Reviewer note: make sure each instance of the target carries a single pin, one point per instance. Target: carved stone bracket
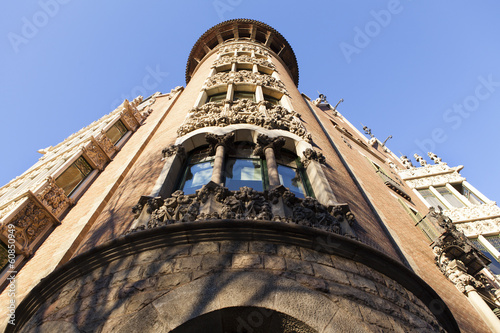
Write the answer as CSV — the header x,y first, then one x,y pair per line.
x,y
106,145
264,80
312,155
224,60
130,115
244,112
226,140
213,201
264,142
53,197
173,150
94,152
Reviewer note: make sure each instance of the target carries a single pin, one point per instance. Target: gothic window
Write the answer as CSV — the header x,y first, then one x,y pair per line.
x,y
116,132
198,171
74,175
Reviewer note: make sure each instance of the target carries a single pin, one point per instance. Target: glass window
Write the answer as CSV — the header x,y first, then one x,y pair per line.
x,y
217,97
244,95
198,171
292,175
473,199
272,100
74,175
244,172
4,258
495,241
452,199
116,132
430,198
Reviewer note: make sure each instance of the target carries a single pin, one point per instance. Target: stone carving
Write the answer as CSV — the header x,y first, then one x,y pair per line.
x,y
243,48
174,150
54,198
93,152
29,223
488,226
264,80
406,162
264,142
227,59
487,210
105,143
435,158
244,111
213,201
226,140
428,170
456,271
435,180
420,159
312,155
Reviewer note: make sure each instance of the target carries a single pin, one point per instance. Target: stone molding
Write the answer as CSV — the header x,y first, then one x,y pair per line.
x,y
213,201
435,180
426,171
229,59
244,111
475,212
482,227
243,47
248,77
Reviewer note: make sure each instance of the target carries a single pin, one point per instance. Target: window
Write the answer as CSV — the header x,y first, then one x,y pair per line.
x,y
292,175
473,199
241,172
272,100
116,132
450,197
198,171
430,198
74,175
217,97
244,95
495,241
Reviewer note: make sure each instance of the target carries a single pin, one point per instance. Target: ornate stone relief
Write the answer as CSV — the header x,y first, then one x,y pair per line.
x,y
244,112
264,80
312,155
173,150
224,60
438,180
264,142
213,201
476,212
53,197
105,143
488,226
243,48
426,171
94,152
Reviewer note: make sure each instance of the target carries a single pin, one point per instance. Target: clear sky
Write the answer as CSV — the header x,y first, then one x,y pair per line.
x,y
425,72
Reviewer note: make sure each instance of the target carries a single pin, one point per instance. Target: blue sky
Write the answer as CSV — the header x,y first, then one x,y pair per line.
x,y
425,72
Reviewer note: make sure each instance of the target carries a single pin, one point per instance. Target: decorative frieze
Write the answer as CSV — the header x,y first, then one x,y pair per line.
x,y
428,170
213,201
481,227
244,112
437,180
248,77
225,60
475,212
243,48
95,154
53,197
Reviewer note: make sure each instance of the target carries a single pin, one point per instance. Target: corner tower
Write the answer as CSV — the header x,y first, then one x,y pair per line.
x,y
236,212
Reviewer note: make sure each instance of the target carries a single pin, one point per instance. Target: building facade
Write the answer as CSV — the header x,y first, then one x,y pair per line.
x,y
241,205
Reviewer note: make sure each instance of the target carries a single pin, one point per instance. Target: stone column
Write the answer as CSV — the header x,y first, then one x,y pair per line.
x,y
483,309
218,165
272,167
268,148
219,145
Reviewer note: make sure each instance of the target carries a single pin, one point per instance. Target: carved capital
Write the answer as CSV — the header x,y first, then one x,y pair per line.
x,y
174,150
264,142
226,140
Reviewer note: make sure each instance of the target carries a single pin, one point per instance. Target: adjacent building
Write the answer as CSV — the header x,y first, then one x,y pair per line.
x,y
238,204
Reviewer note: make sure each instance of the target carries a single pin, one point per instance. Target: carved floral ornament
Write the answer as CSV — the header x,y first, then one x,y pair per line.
x,y
243,48
213,201
244,112
53,197
249,77
227,59
436,180
488,226
475,212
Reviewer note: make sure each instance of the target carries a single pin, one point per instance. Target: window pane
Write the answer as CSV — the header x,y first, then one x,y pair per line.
x,y
495,265
244,95
472,197
291,178
74,175
272,100
430,198
196,176
116,132
243,172
449,197
4,259
217,97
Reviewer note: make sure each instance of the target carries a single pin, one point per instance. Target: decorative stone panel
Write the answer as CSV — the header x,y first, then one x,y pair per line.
x,y
244,112
106,145
475,212
244,48
53,197
425,171
437,180
225,60
249,77
483,227
95,154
